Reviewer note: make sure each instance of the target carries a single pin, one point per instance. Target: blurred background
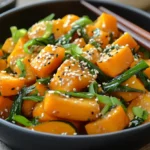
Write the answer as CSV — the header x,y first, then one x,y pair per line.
x,y
7,4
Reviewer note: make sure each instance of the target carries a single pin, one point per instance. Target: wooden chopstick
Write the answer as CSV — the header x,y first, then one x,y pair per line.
x,y
128,24
139,38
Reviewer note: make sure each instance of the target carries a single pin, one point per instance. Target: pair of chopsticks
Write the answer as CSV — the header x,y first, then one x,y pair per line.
x,y
140,35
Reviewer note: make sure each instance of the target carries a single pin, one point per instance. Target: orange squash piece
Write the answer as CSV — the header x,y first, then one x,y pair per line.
x,y
91,53
132,82
126,39
10,85
18,52
8,46
71,108
80,42
55,127
3,64
115,120
48,60
69,75
107,23
68,20
116,61
40,113
142,101
5,106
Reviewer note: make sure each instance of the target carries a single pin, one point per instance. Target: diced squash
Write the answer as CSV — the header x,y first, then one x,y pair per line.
x,y
116,61
114,120
38,29
89,29
132,82
71,108
55,127
57,28
8,46
68,20
27,107
91,53
10,85
107,23
48,60
69,75
3,64
5,106
80,42
30,76
126,39
18,52
142,101
1,53
40,113
147,72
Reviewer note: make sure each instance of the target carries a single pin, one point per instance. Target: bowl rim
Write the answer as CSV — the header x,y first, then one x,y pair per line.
x,y
37,133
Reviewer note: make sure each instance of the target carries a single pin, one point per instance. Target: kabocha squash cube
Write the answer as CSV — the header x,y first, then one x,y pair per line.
x,y
48,60
126,39
40,113
8,46
107,23
5,106
68,20
114,120
142,101
71,108
72,75
91,53
116,61
18,52
80,42
132,82
10,85
3,64
55,127
30,76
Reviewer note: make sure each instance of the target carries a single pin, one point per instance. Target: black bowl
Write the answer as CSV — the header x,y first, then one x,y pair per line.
x,y
24,139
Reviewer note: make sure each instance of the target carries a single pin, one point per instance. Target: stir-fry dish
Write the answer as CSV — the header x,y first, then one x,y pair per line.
x,y
74,76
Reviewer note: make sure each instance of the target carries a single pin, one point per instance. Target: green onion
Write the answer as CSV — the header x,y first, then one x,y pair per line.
x,y
48,18
38,41
127,89
140,112
83,21
93,88
73,49
93,68
22,68
22,120
96,32
114,83
76,94
17,34
44,80
34,98
105,109
145,80
48,30
145,52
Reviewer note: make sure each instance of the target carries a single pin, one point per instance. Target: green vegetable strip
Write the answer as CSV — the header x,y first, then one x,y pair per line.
x,y
48,30
92,67
76,94
109,87
17,34
93,88
38,41
48,18
144,80
22,120
33,98
16,108
83,21
21,66
105,109
127,89
44,80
